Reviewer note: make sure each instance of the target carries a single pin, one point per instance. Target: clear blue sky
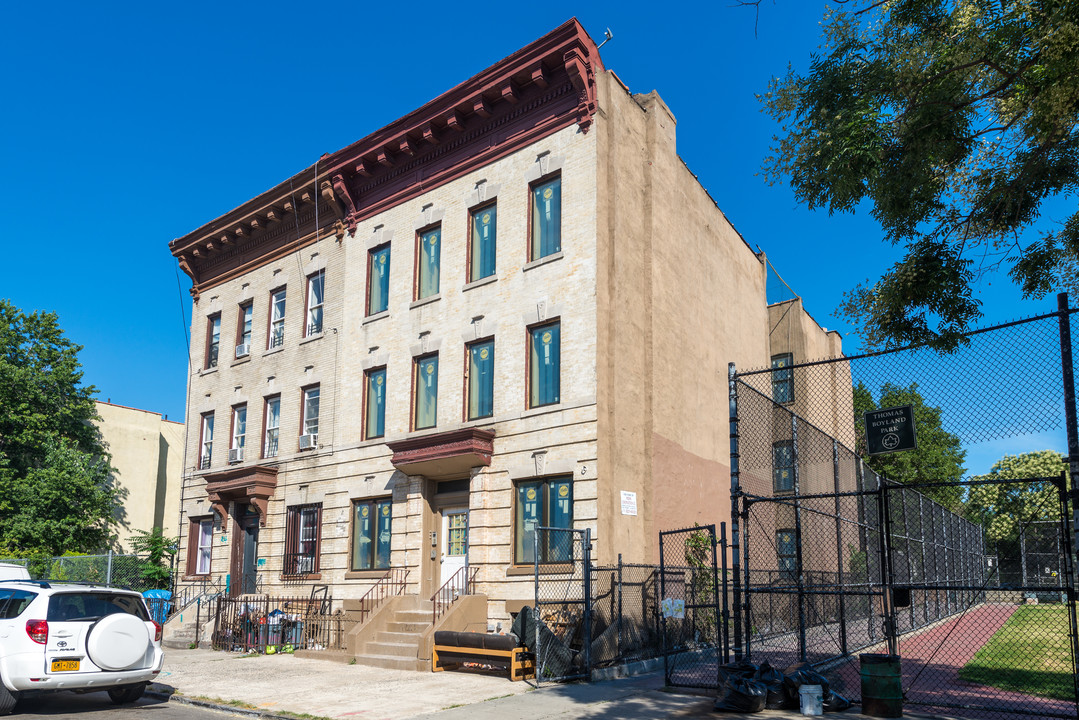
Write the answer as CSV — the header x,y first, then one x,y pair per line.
x,y
127,125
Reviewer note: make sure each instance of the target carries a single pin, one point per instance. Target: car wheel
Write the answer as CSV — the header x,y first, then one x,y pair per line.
x,y
7,700
126,693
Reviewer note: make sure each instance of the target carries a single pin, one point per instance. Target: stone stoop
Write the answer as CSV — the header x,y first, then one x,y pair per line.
x,y
397,647
179,630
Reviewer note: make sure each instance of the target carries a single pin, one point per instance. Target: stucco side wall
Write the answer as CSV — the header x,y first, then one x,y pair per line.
x,y
680,296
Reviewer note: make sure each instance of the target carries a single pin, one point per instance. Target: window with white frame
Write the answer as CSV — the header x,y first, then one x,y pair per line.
x,y
272,415
315,286
213,340
206,441
239,434
200,546
277,318
243,330
309,420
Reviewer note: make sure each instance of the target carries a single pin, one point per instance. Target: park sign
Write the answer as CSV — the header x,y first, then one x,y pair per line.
x,y
890,430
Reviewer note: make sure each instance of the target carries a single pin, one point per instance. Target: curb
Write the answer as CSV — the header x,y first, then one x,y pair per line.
x,y
209,705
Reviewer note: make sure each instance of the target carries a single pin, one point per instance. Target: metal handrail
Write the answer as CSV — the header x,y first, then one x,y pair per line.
x,y
389,585
462,582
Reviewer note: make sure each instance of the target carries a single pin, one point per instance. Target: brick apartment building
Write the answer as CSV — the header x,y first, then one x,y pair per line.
x,y
504,309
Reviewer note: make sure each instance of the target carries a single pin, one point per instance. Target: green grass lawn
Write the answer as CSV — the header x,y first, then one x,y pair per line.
x,y
1030,654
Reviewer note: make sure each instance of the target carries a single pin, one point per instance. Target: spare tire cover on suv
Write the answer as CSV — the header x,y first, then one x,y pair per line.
x,y
117,642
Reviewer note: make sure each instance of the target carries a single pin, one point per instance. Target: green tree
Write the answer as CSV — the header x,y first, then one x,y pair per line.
x,y
1003,509
155,567
939,455
953,121
56,488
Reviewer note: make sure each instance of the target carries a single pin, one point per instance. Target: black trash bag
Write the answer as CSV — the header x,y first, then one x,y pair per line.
x,y
802,674
834,702
741,695
773,681
741,669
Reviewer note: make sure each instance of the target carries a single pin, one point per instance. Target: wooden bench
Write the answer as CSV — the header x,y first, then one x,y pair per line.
x,y
451,649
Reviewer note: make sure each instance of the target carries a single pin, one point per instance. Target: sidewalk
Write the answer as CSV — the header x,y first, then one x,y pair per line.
x,y
282,685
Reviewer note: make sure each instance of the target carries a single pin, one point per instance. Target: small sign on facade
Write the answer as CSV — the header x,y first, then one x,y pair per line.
x,y
890,430
629,503
673,607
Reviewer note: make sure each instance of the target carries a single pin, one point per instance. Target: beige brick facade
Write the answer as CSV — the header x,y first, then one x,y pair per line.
x,y
654,292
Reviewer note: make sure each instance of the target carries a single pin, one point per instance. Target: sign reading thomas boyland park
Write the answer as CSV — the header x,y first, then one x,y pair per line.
x,y
890,430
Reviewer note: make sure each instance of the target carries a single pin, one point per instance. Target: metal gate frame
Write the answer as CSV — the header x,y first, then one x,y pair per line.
x,y
568,594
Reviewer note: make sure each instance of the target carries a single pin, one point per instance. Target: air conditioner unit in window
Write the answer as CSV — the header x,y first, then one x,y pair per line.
x,y
243,350
308,442
236,455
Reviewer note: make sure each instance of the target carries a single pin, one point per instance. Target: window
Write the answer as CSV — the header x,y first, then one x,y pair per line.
x,y
782,380
200,540
206,441
371,524
243,330
375,400
783,466
425,389
427,257
481,379
309,418
277,318
239,434
302,535
786,553
546,200
272,421
543,364
378,280
481,255
544,503
315,285
213,340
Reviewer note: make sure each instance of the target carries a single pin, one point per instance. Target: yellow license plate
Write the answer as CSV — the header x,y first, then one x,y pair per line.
x,y
65,665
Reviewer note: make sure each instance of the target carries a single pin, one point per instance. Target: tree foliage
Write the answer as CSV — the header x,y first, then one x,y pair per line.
x,y
939,455
954,120
56,488
1002,509
156,553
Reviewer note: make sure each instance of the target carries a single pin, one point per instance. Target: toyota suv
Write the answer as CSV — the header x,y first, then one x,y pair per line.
x,y
75,637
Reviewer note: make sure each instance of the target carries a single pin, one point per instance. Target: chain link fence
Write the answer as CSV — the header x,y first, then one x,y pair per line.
x,y
111,569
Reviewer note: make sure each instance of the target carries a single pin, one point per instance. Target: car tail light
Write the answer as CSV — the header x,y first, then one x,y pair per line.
x,y
157,631
38,630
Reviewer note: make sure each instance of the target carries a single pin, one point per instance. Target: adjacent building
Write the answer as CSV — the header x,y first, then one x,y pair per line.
x,y
512,307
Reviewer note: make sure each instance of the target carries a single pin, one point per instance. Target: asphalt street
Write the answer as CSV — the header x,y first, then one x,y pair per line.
x,y
98,706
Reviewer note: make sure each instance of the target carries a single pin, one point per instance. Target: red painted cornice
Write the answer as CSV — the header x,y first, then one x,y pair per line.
x,y
254,485
536,91
444,454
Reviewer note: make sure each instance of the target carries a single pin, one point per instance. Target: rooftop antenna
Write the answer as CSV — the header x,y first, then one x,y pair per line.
x,y
607,36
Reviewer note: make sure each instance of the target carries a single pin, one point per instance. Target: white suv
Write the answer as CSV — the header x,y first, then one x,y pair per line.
x,y
75,637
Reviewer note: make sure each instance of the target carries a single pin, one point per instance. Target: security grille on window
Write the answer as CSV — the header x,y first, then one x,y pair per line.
x,y
243,333
315,285
372,522
544,364
426,390
782,378
786,553
783,466
543,503
375,397
273,424
309,425
213,345
239,434
546,218
429,256
378,280
206,441
483,243
302,536
277,318
481,384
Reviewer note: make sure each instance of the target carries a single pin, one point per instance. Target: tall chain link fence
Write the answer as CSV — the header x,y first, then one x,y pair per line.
x,y
968,579
124,571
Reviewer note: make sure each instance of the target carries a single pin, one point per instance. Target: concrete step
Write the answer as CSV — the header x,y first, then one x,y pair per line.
x,y
413,616
408,627
391,649
393,662
340,656
405,638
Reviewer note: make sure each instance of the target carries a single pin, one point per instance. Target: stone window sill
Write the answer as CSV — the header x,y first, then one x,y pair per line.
x,y
479,283
376,317
542,261
425,301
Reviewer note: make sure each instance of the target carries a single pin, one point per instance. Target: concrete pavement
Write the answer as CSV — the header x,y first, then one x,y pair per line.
x,y
285,685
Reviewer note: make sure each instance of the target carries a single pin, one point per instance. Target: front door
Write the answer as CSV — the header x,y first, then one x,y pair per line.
x,y
249,565
454,546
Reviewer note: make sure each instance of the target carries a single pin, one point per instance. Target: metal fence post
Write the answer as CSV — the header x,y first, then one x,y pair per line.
x,y
108,570
619,640
799,568
662,618
586,560
839,550
736,489
726,608
715,602
1068,378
